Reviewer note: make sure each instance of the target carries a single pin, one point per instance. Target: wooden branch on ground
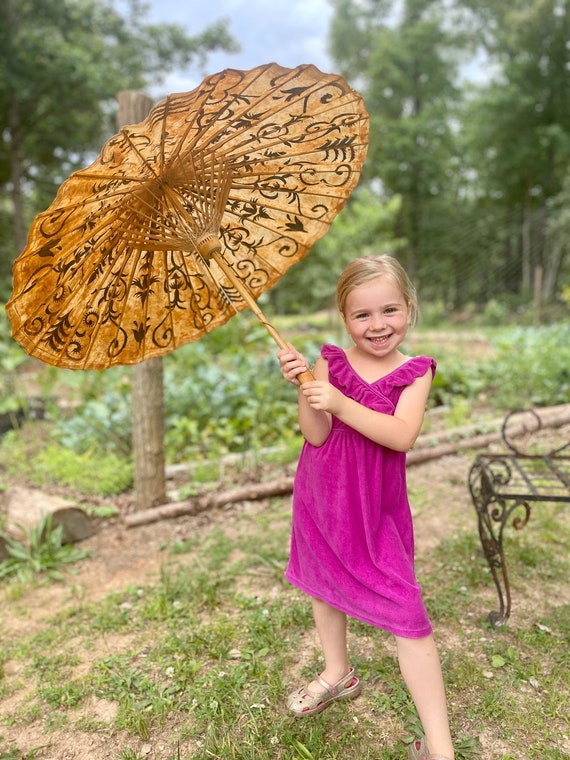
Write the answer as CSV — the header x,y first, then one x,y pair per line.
x,y
448,443
452,441
212,500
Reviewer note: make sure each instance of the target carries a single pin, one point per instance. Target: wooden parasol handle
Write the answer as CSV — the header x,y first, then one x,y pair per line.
x,y
304,377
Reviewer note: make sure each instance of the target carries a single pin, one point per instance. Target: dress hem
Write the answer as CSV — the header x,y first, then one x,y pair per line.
x,y
407,634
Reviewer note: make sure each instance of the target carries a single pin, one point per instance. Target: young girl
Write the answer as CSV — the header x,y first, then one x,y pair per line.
x,y
352,544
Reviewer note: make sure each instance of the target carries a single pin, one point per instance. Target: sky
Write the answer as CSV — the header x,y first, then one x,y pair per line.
x,y
287,32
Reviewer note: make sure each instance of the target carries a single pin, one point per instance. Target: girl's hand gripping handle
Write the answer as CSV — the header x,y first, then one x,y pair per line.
x,y
294,367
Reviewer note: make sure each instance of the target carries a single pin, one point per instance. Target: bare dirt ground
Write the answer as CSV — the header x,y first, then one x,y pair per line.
x,y
123,557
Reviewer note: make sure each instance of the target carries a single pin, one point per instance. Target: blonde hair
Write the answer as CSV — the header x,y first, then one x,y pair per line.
x,y
367,268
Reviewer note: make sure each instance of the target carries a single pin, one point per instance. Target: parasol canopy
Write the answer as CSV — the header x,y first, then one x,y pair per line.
x,y
188,217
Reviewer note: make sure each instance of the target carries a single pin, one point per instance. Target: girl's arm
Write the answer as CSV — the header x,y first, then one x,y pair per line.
x,y
315,424
397,432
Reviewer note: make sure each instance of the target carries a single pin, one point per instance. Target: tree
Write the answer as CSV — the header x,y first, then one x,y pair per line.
x,y
518,129
475,165
147,401
405,66
558,236
62,63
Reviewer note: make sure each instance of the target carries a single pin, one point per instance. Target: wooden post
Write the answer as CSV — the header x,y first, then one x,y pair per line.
x,y
148,377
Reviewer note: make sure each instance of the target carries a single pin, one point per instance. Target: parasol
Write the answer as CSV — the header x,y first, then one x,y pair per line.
x,y
188,217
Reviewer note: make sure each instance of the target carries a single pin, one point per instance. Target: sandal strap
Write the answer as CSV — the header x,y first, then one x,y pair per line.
x,y
339,685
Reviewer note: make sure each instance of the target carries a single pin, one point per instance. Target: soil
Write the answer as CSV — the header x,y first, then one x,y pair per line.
x,y
124,557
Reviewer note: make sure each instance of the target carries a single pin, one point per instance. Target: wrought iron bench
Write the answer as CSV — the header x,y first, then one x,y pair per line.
x,y
504,485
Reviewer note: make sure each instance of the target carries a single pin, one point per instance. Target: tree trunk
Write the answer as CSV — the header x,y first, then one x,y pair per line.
x,y
553,266
148,434
537,295
148,377
526,252
15,153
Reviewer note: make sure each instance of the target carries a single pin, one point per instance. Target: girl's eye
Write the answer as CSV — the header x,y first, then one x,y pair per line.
x,y
361,316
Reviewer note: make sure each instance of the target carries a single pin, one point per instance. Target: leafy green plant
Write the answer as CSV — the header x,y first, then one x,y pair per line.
x,y
88,472
539,376
41,551
100,424
228,402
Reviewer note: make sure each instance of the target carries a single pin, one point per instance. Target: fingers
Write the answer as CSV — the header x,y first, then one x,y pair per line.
x,y
314,393
291,370
292,363
320,395
288,354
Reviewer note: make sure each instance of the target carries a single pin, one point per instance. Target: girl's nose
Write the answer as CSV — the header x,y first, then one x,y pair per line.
x,y
377,322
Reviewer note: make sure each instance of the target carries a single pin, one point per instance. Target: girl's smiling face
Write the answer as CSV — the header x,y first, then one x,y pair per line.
x,y
377,317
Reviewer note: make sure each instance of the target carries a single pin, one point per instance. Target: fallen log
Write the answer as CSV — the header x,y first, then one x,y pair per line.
x,y
550,416
427,453
448,443
214,499
26,507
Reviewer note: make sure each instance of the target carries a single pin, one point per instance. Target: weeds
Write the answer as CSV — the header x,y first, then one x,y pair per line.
x,y
207,653
41,551
202,658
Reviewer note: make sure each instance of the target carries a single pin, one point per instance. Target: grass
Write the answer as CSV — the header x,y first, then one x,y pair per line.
x,y
198,662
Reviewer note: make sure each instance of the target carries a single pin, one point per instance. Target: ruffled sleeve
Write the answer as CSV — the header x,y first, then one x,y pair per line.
x,y
406,373
341,373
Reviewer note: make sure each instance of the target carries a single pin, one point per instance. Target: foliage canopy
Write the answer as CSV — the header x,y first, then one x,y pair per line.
x,y
62,63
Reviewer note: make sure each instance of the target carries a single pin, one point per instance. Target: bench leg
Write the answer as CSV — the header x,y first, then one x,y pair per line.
x,y
492,544
493,514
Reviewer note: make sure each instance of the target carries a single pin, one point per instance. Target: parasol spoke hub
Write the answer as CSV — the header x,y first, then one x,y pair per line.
x,y
208,246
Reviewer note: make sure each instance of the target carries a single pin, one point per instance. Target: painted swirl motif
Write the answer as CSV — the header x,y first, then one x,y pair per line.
x,y
115,271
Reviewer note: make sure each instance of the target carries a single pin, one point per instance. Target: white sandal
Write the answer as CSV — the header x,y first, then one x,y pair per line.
x,y
303,703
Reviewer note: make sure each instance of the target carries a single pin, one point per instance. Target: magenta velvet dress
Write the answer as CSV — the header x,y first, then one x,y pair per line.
x,y
352,543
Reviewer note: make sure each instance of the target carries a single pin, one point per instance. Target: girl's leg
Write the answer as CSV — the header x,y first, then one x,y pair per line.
x,y
331,627
421,669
